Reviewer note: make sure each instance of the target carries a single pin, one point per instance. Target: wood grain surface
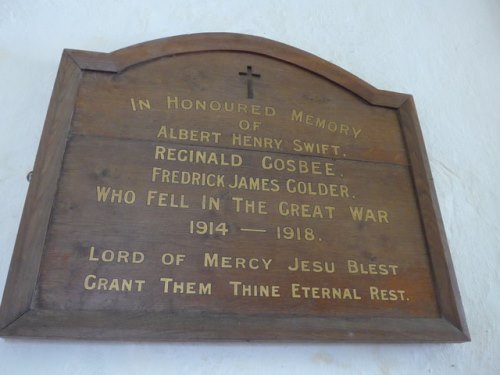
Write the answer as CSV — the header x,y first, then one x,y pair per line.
x,y
228,187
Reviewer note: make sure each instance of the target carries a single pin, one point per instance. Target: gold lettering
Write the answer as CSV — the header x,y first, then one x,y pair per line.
x,y
168,259
92,282
216,261
210,203
321,189
387,294
297,115
301,291
201,105
185,287
251,141
190,104
168,176
371,268
160,199
360,213
172,102
250,206
305,210
254,183
312,266
301,166
160,152
89,282
322,123
111,195
143,104
315,148
198,156
199,136
254,290
92,258
186,104
120,256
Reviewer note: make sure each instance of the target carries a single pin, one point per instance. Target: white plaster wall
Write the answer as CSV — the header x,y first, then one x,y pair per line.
x,y
445,53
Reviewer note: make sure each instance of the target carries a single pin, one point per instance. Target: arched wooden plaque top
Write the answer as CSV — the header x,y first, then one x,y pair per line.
x,y
229,187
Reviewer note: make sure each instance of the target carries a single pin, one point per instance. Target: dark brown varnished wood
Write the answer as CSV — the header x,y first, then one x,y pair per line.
x,y
91,137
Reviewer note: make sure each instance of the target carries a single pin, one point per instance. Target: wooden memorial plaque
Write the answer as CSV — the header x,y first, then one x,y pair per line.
x,y
228,187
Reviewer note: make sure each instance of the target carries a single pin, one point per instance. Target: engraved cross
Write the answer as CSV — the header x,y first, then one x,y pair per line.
x,y
250,75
